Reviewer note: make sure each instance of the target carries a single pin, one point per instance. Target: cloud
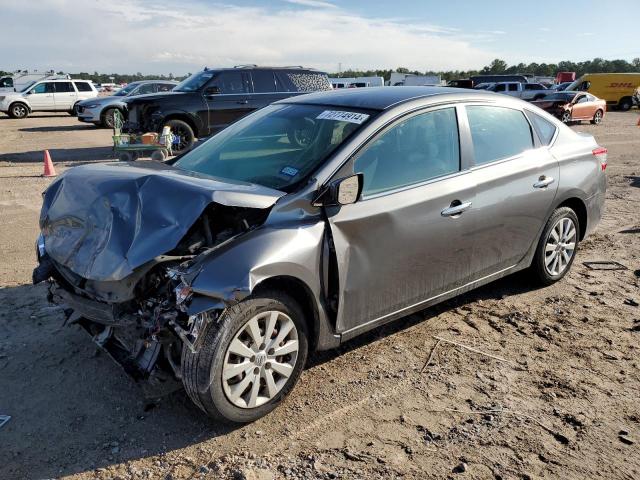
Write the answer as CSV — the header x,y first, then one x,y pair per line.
x,y
312,3
160,37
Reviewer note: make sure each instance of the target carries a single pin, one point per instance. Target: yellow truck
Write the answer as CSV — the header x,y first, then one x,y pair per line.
x,y
616,88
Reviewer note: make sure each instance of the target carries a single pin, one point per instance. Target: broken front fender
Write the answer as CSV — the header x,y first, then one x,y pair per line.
x,y
231,272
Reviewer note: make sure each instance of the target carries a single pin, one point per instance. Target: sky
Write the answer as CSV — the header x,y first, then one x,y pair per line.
x,y
180,36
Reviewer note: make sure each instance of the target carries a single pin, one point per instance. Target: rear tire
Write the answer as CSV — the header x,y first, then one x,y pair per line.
x,y
597,117
559,240
18,110
625,104
232,399
185,134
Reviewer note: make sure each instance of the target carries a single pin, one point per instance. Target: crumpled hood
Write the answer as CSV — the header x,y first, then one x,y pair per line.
x,y
103,221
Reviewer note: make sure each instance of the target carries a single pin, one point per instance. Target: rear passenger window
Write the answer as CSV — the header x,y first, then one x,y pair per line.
x,y
83,86
230,83
64,87
498,132
513,87
263,81
414,150
501,88
544,128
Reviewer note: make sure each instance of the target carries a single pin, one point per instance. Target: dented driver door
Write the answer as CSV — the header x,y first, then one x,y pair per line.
x,y
410,237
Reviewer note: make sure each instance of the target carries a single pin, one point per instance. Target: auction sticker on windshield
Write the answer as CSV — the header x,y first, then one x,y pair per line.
x,y
351,117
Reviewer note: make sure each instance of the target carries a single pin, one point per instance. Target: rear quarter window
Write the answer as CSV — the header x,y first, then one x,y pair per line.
x,y
301,82
498,132
83,86
545,129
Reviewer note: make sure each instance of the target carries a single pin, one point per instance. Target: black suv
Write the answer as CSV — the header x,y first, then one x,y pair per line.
x,y
208,101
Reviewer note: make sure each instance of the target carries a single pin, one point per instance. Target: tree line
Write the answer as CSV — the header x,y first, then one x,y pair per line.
x,y
497,66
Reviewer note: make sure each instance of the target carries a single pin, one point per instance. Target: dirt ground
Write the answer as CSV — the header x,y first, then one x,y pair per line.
x,y
557,398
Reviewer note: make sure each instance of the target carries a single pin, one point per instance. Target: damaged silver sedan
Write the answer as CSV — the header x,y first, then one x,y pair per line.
x,y
307,223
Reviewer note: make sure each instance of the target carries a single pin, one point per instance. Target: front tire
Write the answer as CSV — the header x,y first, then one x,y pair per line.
x,y
108,118
184,133
18,110
566,117
250,358
557,247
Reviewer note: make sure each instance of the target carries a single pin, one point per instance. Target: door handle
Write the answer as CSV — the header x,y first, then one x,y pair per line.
x,y
543,182
242,102
456,208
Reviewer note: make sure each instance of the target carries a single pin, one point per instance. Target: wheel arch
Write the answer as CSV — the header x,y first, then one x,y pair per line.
x,y
186,118
577,205
23,102
300,292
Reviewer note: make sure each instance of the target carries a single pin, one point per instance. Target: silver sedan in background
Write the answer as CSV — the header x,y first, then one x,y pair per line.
x,y
100,110
309,222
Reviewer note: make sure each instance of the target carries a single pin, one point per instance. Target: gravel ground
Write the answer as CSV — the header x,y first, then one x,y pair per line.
x,y
557,398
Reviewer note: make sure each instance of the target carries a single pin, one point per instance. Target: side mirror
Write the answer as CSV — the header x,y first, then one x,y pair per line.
x,y
212,91
340,192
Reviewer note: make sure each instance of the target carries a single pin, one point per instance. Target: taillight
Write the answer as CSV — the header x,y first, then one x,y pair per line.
x,y
601,154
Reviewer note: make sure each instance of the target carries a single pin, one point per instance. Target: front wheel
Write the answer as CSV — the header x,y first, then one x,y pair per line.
x,y
557,247
566,116
18,110
184,134
249,360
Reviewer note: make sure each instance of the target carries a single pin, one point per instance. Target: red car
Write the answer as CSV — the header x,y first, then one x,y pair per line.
x,y
574,106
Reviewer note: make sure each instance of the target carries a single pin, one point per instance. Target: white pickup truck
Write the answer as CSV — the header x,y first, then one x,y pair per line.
x,y
525,91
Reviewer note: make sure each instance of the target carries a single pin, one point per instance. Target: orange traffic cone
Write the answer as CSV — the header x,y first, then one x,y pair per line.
x,y
49,171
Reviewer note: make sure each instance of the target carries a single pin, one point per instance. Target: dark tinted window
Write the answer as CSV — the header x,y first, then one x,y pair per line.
x,y
513,87
146,88
500,88
498,132
46,87
64,87
533,86
263,81
229,82
582,99
83,86
165,87
544,128
414,150
6,82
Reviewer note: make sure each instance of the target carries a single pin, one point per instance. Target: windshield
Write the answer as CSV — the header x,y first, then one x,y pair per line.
x,y
194,82
567,97
123,92
278,146
27,87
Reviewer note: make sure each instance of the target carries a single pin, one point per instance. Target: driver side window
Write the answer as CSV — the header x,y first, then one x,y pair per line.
x,y
43,88
414,150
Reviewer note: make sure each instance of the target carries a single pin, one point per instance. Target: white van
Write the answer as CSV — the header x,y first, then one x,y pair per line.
x,y
47,96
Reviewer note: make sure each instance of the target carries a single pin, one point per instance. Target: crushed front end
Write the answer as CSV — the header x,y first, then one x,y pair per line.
x,y
117,250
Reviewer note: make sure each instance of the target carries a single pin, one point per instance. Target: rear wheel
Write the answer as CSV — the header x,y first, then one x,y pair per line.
x,y
597,117
249,360
625,104
18,110
184,132
557,247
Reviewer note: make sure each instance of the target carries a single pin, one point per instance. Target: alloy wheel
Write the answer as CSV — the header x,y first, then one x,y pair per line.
x,y
19,111
597,118
260,359
566,117
560,246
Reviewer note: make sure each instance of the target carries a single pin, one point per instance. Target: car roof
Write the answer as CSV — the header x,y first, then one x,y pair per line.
x,y
381,98
143,82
